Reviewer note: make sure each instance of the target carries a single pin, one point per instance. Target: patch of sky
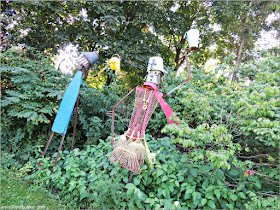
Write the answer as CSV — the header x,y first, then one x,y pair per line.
x,y
66,59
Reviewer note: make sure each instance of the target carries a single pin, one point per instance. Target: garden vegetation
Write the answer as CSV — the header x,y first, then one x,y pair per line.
x,y
223,155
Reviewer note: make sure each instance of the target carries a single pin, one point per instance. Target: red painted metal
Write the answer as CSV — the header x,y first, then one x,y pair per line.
x,y
45,150
112,113
59,150
130,177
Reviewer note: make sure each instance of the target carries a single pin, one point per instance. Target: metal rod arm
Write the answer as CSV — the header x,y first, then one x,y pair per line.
x,y
100,71
113,110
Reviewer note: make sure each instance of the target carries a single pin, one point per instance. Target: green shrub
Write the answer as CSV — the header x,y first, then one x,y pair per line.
x,y
175,181
31,90
223,155
259,202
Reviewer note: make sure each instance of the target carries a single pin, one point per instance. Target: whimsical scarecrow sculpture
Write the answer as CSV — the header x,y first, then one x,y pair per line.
x,y
71,96
131,149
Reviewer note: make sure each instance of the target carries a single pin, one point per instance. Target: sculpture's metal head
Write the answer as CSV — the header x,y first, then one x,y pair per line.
x,y
87,59
155,70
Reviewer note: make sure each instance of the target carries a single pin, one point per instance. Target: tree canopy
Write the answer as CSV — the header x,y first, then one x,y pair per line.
x,y
137,30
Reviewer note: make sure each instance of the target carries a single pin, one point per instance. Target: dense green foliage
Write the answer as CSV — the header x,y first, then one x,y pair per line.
x,y
31,90
222,155
87,179
31,93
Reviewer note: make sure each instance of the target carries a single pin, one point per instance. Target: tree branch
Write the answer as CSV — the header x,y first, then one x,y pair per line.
x,y
239,54
250,157
266,194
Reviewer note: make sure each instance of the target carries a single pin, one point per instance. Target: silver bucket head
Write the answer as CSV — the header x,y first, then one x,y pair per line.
x,y
91,56
156,64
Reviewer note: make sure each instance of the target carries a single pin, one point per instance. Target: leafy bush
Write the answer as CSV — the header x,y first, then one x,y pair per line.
x,y
31,93
223,154
176,181
259,202
84,178
31,90
94,104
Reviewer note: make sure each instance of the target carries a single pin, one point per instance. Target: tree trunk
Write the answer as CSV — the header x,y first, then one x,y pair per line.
x,y
179,61
239,54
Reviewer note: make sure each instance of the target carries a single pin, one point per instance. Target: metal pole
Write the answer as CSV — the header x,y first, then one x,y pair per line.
x,y
45,150
49,141
75,122
59,150
130,177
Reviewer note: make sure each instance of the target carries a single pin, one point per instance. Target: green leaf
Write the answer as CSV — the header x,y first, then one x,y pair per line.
x,y
196,198
234,172
203,201
184,159
180,178
194,172
241,195
194,195
125,179
84,195
210,188
164,192
211,204
220,173
113,172
233,197
188,194
258,184
129,185
75,173
82,188
164,178
159,172
230,206
168,204
136,181
217,193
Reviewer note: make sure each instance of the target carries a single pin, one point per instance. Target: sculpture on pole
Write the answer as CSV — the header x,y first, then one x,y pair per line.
x,y
130,149
70,100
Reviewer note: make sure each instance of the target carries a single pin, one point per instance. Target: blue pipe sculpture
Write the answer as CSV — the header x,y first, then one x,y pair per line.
x,y
71,98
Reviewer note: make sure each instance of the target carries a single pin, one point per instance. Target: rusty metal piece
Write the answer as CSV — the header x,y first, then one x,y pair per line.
x,y
112,141
45,150
49,141
59,150
112,113
130,177
75,122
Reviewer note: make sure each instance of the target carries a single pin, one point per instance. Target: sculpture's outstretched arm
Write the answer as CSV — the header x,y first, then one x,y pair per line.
x,y
112,113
